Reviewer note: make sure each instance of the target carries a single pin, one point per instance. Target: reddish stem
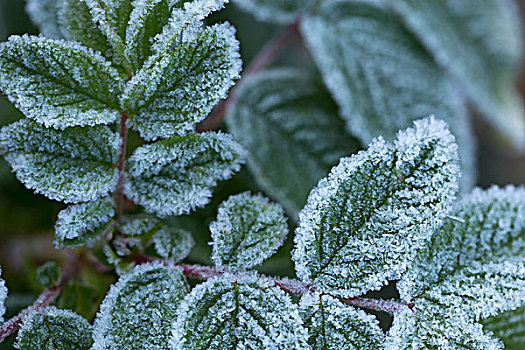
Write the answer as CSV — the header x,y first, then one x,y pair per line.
x,y
119,192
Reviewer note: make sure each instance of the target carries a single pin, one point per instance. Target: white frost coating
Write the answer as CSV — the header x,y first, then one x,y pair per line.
x,y
3,297
74,165
173,244
275,11
365,222
81,224
138,225
138,311
175,176
226,313
170,94
335,326
43,14
58,83
248,230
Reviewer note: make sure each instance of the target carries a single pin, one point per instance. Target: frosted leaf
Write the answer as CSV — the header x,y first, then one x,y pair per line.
x,y
480,42
175,176
248,230
170,96
223,313
58,83
138,311
54,329
429,329
138,225
74,165
477,256
335,326
3,297
276,11
82,224
299,134
43,14
365,222
173,244
48,274
510,327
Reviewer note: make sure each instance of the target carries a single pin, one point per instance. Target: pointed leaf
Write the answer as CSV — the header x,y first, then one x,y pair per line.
x,y
171,95
81,224
54,329
392,195
44,14
58,83
276,11
248,230
175,176
139,225
48,274
173,244
139,309
335,326
3,297
247,314
74,165
509,327
480,42
299,133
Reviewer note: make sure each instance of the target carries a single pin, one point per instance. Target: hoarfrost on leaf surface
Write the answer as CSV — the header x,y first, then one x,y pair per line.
x,y
43,14
276,11
54,329
170,94
366,221
58,83
173,244
225,313
139,309
248,230
81,224
335,326
175,176
509,326
481,43
299,133
3,297
73,165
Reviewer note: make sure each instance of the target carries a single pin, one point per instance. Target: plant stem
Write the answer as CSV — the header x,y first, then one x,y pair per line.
x,y
48,296
261,61
119,193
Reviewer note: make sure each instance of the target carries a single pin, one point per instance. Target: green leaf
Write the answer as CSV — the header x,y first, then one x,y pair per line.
x,y
3,297
275,11
58,83
48,274
43,14
54,329
476,260
335,326
246,314
481,43
173,244
170,95
82,224
248,230
74,165
139,309
392,195
298,137
139,225
175,176
510,327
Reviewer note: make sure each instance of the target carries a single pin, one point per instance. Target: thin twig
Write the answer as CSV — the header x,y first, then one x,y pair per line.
x,y
119,192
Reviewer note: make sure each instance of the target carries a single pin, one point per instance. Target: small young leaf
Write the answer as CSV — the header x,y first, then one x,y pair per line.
x,y
335,326
509,327
44,14
480,42
3,297
73,165
299,133
81,224
248,230
138,225
48,274
54,329
139,309
173,244
58,83
171,95
175,176
276,11
392,195
223,314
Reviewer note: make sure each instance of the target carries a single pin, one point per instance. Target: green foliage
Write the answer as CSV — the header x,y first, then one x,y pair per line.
x,y
173,244
278,11
44,13
48,274
54,329
508,326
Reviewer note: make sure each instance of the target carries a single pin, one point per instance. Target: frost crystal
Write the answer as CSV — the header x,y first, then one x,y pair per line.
x,y
57,83
81,224
3,297
222,313
139,309
175,176
366,221
480,42
248,230
335,326
43,13
276,11
138,225
174,92
54,329
510,327
73,165
299,134
173,244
